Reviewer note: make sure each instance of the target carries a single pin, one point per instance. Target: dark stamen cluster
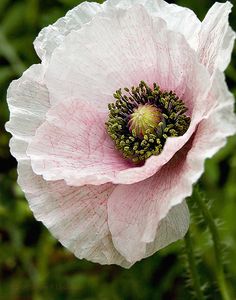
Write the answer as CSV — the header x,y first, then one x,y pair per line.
x,y
173,123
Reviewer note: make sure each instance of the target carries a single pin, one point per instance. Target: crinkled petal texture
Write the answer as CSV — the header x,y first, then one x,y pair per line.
x,y
97,204
81,151
76,216
216,38
168,187
178,18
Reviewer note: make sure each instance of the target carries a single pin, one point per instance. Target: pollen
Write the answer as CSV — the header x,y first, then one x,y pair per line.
x,y
142,118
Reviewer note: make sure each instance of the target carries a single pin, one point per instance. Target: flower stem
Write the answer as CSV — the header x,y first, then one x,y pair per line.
x,y
216,244
193,267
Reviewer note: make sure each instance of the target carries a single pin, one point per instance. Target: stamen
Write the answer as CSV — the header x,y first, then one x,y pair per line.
x,y
141,120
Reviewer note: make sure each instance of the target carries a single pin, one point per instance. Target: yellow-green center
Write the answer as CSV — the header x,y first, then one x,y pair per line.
x,y
145,117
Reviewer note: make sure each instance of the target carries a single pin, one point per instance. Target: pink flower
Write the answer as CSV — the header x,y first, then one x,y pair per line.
x,y
98,204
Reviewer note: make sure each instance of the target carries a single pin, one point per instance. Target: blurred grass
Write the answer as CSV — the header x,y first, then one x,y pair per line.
x,y
33,265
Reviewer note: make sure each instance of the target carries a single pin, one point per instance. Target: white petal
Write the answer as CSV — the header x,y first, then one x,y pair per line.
x,y
170,229
52,36
28,102
226,49
179,19
111,56
121,50
136,226
77,217
212,132
216,38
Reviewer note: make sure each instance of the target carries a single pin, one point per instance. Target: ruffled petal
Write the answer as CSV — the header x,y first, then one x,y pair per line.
x,y
52,36
226,49
28,101
179,19
130,47
213,131
134,211
216,38
170,229
73,145
76,216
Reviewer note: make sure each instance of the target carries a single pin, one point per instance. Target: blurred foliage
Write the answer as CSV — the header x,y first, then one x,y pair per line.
x,y
33,265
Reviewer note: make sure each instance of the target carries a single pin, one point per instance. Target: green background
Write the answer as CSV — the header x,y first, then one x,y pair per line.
x,y
33,265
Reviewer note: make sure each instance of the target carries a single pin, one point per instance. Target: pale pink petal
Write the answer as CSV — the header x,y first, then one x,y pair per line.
x,y
111,56
216,38
73,145
135,210
81,212
77,217
170,229
212,132
179,19
28,102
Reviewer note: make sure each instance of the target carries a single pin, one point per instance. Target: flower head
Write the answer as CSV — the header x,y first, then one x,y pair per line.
x,y
112,129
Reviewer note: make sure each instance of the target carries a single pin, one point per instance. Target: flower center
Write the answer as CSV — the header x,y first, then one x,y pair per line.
x,y
145,117
142,118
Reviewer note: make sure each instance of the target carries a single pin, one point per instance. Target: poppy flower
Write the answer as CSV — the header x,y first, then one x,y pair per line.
x,y
112,129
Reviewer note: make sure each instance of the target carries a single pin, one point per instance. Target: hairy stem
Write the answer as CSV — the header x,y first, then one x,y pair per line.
x,y
216,244
193,267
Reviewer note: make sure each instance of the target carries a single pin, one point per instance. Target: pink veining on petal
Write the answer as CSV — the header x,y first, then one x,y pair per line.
x,y
77,217
120,59
163,57
134,211
73,145
63,209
